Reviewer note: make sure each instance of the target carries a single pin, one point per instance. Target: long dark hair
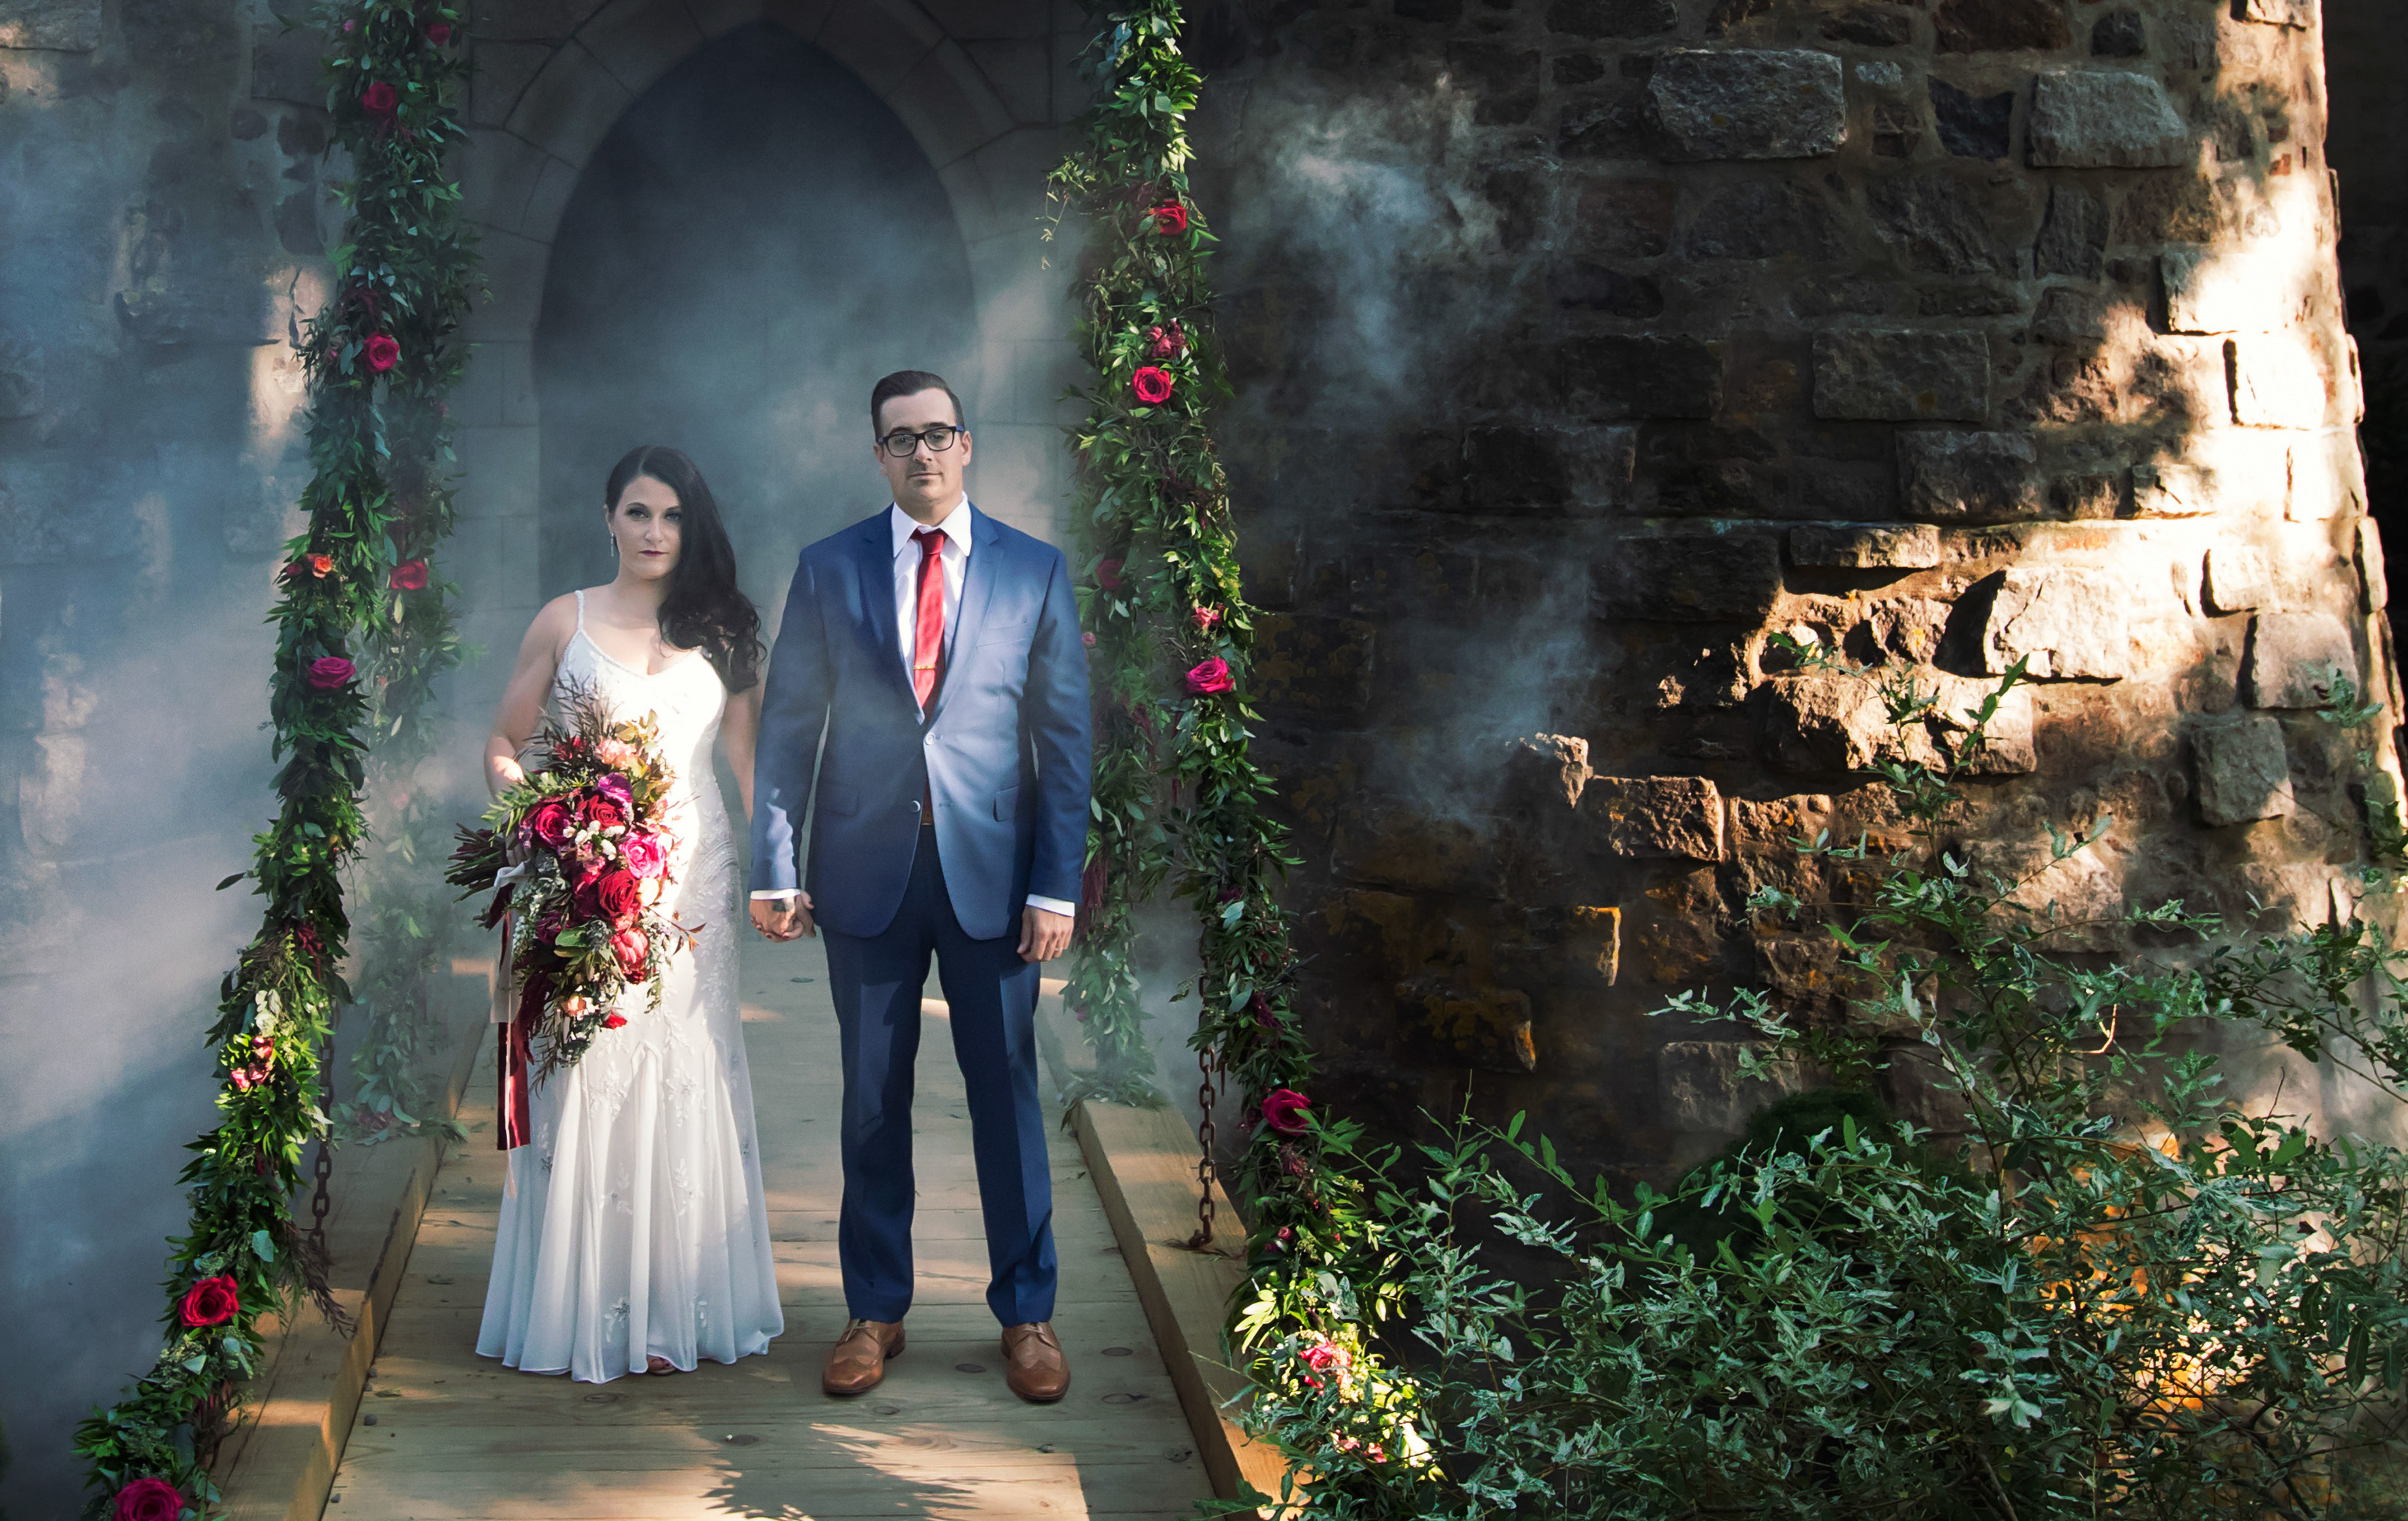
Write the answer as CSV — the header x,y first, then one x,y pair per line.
x,y
704,609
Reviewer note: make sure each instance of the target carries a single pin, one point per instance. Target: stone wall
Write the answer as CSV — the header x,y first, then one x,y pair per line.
x,y
162,219
1585,344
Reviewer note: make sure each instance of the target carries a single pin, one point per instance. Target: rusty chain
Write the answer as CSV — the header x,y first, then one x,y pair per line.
x,y
1206,1097
318,1203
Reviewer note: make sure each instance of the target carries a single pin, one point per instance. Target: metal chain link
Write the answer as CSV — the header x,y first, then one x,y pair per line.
x,y
319,1202
1206,1097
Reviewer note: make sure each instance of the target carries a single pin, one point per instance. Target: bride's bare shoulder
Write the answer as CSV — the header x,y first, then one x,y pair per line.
x,y
555,624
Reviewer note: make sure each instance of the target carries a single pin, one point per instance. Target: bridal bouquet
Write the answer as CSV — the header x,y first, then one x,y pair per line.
x,y
580,857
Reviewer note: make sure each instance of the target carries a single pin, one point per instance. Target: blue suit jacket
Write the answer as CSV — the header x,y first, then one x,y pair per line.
x,y
1006,754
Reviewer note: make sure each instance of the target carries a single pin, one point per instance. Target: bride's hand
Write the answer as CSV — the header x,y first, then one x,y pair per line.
x,y
784,918
503,773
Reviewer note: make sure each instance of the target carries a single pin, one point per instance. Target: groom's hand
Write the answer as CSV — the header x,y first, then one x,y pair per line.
x,y
784,918
1043,933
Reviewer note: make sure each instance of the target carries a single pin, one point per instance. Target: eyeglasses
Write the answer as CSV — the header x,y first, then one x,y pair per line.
x,y
938,438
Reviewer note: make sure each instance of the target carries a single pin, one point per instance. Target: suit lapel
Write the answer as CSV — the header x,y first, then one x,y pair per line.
x,y
876,556
977,590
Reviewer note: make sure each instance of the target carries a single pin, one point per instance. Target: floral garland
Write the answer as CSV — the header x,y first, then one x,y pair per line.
x,y
356,592
1176,787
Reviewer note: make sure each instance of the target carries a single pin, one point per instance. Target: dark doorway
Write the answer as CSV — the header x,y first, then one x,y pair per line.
x,y
755,242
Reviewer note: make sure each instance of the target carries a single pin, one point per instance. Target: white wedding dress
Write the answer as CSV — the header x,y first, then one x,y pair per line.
x,y
635,1223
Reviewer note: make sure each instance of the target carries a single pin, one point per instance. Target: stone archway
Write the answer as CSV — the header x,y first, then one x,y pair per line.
x,y
981,87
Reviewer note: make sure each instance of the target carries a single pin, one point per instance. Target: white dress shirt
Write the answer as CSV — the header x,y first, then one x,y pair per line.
x,y
955,558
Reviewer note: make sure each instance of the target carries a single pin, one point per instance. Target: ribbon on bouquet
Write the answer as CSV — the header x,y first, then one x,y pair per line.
x,y
514,1019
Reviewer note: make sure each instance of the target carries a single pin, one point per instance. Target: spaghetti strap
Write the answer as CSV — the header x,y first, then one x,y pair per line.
x,y
580,610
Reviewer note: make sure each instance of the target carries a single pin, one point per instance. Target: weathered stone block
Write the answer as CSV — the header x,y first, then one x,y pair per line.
x,y
1547,771
1756,220
1577,947
1802,972
2234,474
2292,658
1903,377
1628,219
1391,845
2241,771
1703,1087
1827,722
1865,546
1546,471
2073,234
1655,818
284,64
1999,25
52,25
2210,290
1613,18
1936,226
1490,1027
1749,105
2064,622
1906,628
2102,118
2327,477
2299,13
1870,26
1969,477
2119,34
1969,126
1700,574
2276,383
2236,579
1309,664
1619,375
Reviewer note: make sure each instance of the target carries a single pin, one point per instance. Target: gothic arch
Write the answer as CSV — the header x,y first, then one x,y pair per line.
x,y
983,86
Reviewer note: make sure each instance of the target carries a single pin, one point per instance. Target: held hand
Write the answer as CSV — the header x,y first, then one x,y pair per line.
x,y
784,918
1043,933
503,773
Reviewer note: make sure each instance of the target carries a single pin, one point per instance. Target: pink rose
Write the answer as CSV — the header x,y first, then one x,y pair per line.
x,y
644,855
1108,575
1283,1111
1205,619
1087,639
439,33
328,672
1323,1356
1167,340
1211,678
380,100
1151,384
150,1499
616,753
382,353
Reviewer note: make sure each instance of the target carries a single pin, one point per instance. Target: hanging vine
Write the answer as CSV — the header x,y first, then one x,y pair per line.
x,y
364,628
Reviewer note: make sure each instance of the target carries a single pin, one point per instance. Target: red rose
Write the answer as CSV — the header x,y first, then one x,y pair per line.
x,y
617,898
1205,619
328,672
1167,342
380,100
607,812
1151,384
1322,1356
1169,219
630,947
552,822
1284,1110
212,1301
382,353
439,33
1108,574
613,1022
408,576
1210,677
150,1499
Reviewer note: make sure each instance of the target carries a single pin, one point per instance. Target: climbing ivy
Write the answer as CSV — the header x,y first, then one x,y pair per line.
x,y
363,630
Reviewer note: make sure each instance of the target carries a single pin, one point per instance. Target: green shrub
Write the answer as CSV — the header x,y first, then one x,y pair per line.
x,y
2107,1291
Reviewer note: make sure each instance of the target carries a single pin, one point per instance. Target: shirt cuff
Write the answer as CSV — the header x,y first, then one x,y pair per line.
x,y
1053,905
759,893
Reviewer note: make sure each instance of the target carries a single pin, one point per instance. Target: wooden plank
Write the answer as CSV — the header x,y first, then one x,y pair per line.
x,y
1144,1166
748,1484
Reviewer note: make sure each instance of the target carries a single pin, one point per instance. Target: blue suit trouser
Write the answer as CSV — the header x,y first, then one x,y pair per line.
x,y
876,982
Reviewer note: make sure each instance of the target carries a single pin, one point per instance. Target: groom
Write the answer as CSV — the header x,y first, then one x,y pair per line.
x,y
939,652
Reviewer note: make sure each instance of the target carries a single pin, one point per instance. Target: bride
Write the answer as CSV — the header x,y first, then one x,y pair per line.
x,y
634,1235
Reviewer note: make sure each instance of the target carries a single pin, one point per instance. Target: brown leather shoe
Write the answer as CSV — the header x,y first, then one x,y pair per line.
x,y
1033,1363
858,1359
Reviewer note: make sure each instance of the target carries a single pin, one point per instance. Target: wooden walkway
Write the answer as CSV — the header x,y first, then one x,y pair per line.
x,y
444,1435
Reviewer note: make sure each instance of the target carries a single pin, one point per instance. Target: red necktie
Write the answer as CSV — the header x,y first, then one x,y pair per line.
x,y
929,639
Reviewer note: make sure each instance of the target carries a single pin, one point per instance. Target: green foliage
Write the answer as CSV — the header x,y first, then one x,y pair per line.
x,y
2107,1288
363,630
1178,796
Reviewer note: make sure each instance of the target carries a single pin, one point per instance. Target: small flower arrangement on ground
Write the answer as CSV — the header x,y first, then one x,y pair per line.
x,y
581,854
